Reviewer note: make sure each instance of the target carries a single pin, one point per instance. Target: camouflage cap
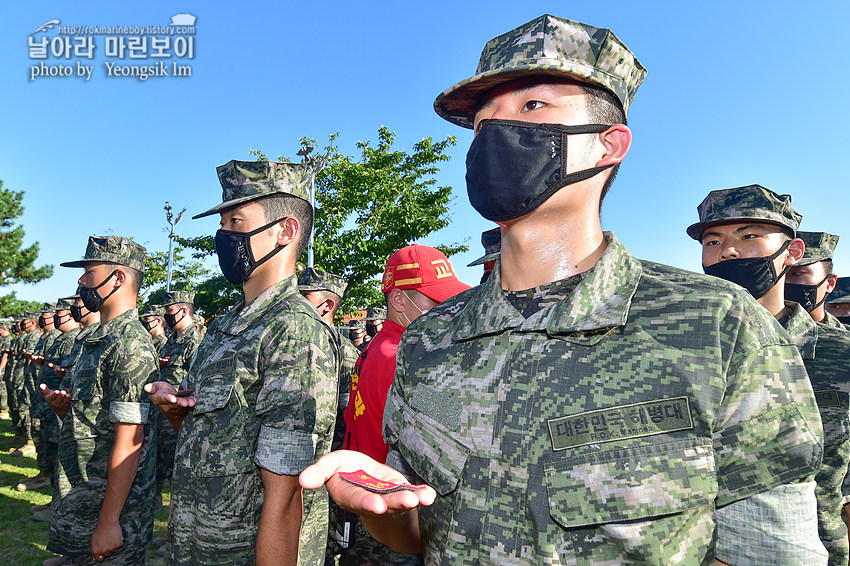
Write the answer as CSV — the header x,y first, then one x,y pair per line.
x,y
743,204
153,310
64,305
358,324
313,279
492,242
75,296
198,319
48,307
819,246
841,293
377,313
547,45
174,297
112,249
243,181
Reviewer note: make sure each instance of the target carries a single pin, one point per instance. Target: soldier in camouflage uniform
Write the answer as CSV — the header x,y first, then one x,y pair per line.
x,y
154,322
264,384
492,242
27,344
581,406
12,354
838,302
5,342
750,231
810,281
176,357
103,497
33,399
325,291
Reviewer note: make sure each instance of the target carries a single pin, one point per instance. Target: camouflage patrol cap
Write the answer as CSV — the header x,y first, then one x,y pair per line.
x,y
48,307
492,242
174,297
153,310
244,181
64,305
112,249
198,319
75,296
377,313
743,204
547,45
841,293
313,279
358,324
819,246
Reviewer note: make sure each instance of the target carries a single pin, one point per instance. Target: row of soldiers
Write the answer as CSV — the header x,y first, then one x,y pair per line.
x,y
580,406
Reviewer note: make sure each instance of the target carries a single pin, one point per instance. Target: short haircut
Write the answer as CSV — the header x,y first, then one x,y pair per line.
x,y
136,278
189,306
827,266
604,108
324,294
278,206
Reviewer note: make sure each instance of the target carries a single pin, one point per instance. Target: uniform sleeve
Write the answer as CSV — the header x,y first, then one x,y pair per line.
x,y
768,430
296,405
132,366
778,526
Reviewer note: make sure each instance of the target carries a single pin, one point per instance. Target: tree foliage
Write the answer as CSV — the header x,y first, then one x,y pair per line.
x,y
366,208
17,263
186,274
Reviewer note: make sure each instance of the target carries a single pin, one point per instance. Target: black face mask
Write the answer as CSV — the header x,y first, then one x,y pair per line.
x,y
147,325
171,319
514,167
757,275
57,320
371,330
843,319
77,313
42,322
235,256
90,297
805,295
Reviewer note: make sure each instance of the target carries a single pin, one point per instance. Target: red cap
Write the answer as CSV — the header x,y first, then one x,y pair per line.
x,y
425,269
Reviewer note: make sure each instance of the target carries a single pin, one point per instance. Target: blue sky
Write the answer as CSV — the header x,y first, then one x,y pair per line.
x,y
737,93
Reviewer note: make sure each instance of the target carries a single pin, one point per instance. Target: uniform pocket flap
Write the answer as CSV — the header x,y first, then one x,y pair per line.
x,y
633,483
432,453
214,391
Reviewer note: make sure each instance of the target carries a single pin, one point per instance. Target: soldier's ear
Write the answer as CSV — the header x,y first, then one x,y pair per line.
x,y
616,140
291,229
831,282
796,249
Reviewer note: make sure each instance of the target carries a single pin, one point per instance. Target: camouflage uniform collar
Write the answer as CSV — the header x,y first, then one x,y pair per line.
x,y
832,321
802,329
600,301
243,316
114,325
185,334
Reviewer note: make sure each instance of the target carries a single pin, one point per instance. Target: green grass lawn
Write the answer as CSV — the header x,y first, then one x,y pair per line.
x,y
25,540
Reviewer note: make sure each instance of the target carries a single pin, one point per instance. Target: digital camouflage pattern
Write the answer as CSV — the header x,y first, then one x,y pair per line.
x,y
841,293
180,350
19,380
265,380
5,344
603,429
176,297
741,204
12,360
153,310
313,279
492,242
112,249
69,360
50,421
107,386
819,246
547,45
824,351
377,313
244,181
35,400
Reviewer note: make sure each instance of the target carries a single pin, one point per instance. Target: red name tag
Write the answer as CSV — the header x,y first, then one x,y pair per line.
x,y
373,484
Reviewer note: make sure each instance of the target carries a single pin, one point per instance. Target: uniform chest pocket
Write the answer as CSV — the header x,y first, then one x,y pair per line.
x,y
84,385
222,439
214,389
632,483
432,452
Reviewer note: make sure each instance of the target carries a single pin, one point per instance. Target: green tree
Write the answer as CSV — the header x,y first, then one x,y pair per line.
x,y
11,305
17,264
366,208
186,274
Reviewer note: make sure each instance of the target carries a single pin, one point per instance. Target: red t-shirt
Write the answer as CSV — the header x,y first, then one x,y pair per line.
x,y
370,383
